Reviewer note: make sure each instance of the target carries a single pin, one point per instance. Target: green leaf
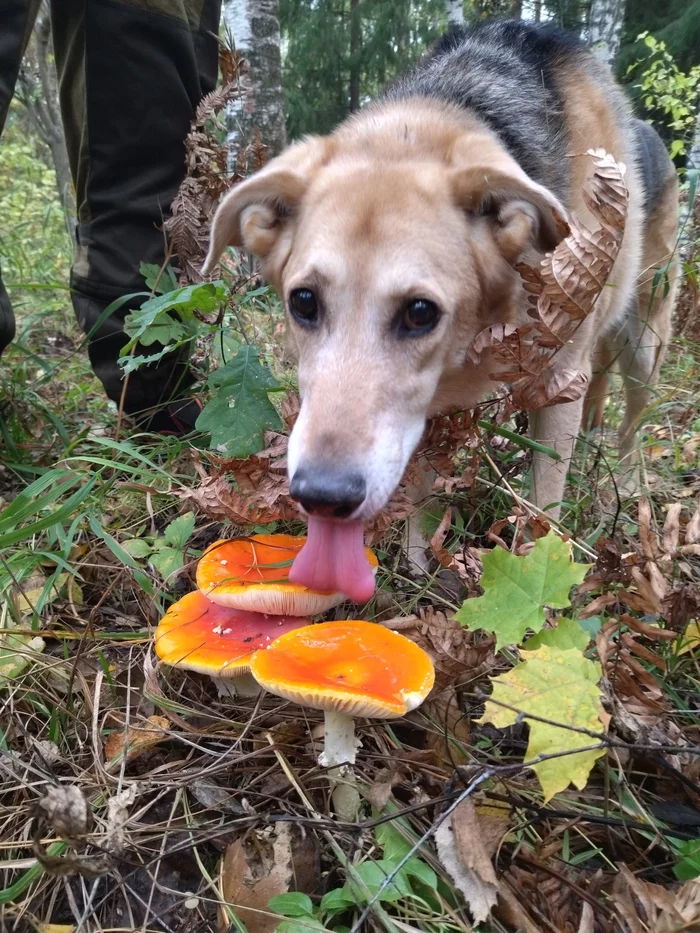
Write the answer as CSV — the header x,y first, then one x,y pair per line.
x,y
373,875
240,409
688,866
179,531
516,589
414,868
137,547
130,364
205,297
122,555
567,634
167,560
337,901
166,280
677,148
561,686
16,655
167,330
592,625
292,904
393,843
300,926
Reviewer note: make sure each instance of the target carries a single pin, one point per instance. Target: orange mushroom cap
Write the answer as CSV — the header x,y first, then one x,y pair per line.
x,y
354,667
253,573
198,635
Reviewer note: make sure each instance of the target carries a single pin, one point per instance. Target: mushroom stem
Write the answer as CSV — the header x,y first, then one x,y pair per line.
x,y
338,755
242,685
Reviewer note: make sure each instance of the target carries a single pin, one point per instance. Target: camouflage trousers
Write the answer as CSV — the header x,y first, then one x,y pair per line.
x,y
130,73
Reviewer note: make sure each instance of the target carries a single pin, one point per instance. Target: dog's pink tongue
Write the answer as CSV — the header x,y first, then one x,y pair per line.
x,y
333,559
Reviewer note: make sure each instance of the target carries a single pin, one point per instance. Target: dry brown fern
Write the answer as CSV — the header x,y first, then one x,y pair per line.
x,y
562,292
207,175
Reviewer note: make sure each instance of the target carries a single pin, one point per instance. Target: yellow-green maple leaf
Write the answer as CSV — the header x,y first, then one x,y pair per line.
x,y
516,589
560,685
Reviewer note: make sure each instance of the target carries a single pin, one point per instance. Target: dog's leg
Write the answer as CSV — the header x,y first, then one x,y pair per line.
x,y
599,388
637,360
647,329
558,428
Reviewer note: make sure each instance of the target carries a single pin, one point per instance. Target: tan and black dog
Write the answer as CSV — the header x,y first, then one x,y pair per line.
x,y
392,243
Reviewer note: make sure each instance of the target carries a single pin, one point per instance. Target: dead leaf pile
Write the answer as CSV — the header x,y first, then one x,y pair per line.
x,y
642,906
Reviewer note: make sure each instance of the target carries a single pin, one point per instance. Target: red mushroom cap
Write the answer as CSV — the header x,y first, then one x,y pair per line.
x,y
199,635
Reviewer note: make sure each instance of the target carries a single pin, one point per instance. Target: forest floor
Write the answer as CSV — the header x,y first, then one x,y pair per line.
x,y
136,798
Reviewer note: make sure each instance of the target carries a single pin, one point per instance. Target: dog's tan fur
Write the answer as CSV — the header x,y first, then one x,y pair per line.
x,y
387,209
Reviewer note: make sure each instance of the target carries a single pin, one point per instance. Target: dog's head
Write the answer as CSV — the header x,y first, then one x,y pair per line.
x,y
392,245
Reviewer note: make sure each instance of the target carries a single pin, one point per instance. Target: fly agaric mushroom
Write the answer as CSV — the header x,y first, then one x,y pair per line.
x,y
253,573
346,669
198,635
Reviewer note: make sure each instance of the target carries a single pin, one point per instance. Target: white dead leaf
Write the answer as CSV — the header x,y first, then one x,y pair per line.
x,y
117,817
67,810
461,850
587,922
692,529
671,532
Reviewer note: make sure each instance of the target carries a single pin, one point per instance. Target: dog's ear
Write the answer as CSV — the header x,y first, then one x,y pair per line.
x,y
525,214
254,213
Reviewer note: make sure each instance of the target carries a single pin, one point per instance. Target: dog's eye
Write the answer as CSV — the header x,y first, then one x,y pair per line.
x,y
418,317
303,306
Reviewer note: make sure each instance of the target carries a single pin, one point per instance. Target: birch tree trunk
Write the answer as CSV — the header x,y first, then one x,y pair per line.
x,y
605,27
455,12
37,90
254,27
355,39
694,154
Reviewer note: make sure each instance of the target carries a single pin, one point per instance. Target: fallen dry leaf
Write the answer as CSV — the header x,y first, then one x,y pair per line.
x,y
690,640
262,865
66,808
643,907
461,850
137,740
460,657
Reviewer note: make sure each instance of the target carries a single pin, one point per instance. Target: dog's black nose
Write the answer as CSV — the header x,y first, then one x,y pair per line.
x,y
327,492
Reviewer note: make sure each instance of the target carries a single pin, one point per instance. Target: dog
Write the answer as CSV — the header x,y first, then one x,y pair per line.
x,y
392,243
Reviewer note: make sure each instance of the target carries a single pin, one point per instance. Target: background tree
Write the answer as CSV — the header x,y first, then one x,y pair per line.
x,y
37,91
340,53
455,12
605,21
253,28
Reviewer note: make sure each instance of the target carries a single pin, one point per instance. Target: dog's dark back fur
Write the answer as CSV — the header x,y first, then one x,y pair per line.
x,y
655,165
506,73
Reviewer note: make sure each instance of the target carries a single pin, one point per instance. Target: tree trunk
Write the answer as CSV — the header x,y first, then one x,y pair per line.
x,y
355,39
254,28
694,154
537,11
605,27
37,90
455,12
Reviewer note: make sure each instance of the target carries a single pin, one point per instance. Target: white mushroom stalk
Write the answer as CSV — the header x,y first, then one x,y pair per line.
x,y
347,669
338,756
